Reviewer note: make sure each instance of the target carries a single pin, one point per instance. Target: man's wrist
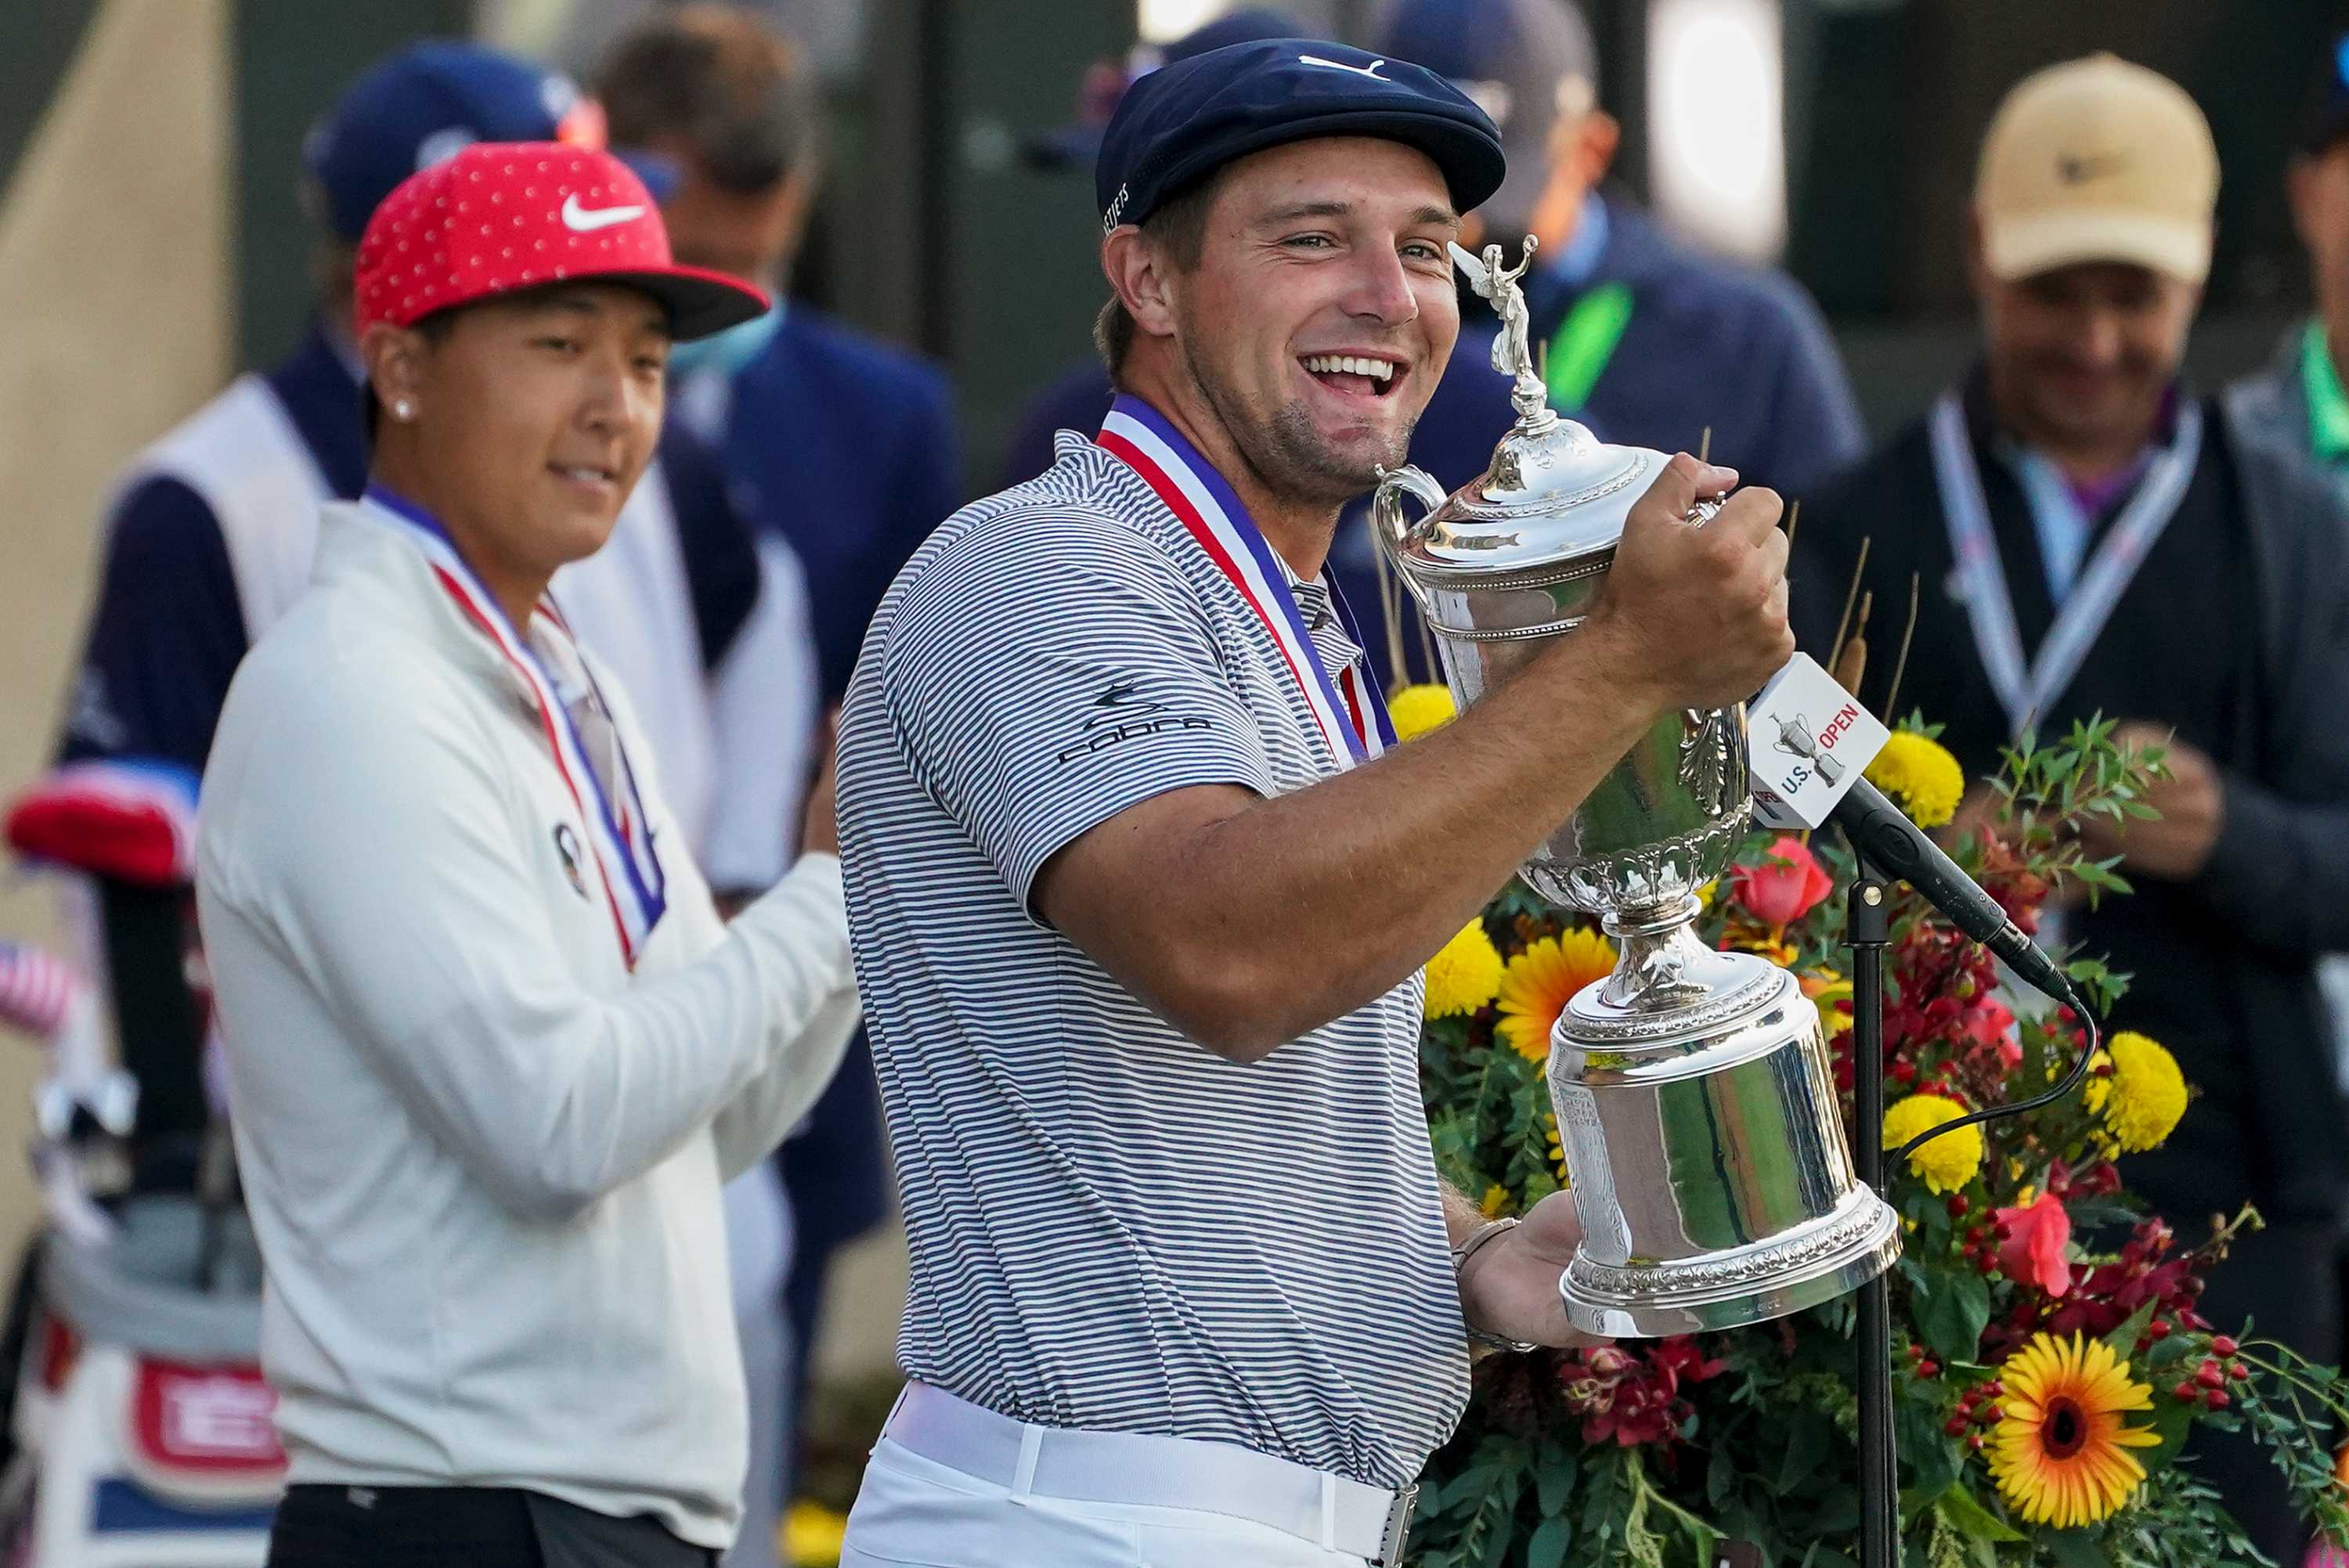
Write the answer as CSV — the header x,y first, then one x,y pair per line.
x,y
1468,1258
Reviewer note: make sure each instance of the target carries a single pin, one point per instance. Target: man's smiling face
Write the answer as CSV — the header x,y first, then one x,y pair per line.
x,y
1322,311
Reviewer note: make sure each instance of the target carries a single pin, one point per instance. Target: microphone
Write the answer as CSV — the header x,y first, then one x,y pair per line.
x,y
1808,742
1883,833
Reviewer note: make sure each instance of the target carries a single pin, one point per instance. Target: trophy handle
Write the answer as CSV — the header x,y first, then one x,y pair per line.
x,y
1386,505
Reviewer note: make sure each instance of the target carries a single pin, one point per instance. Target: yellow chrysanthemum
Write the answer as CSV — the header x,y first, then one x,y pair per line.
x,y
1539,982
2148,1093
1464,974
2060,1454
813,1535
2099,1087
1920,776
1496,1198
1416,709
1949,1161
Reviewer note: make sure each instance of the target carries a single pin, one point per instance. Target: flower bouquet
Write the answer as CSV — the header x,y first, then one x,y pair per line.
x,y
2049,1356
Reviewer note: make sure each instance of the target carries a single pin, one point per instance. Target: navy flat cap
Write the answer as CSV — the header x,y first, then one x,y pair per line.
x,y
1184,120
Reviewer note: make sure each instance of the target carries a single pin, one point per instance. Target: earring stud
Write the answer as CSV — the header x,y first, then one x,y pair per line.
x,y
403,410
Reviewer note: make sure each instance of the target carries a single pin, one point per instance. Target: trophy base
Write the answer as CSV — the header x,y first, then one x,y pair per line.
x,y
1705,1148
1830,1257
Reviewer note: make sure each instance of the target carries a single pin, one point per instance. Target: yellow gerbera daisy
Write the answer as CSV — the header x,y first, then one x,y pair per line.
x,y
1463,974
1556,1149
2146,1095
1949,1161
1540,981
1416,709
1830,993
1920,776
2060,1455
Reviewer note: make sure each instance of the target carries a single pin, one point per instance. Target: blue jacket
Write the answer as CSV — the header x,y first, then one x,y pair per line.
x,y
1710,343
845,446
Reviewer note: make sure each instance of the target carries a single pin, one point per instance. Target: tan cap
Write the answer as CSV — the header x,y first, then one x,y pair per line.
x,y
2097,160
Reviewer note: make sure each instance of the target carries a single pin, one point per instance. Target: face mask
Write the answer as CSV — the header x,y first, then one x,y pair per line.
x,y
726,351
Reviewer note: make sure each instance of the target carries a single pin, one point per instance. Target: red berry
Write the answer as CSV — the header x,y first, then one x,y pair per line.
x,y
1987,1262
2184,1392
1974,1441
1929,1368
1994,1414
1903,1072
1916,1353
2209,1375
2159,1329
2068,1015
2239,1372
1958,1205
1955,1426
2217,1400
1993,1387
2223,1345
1976,1235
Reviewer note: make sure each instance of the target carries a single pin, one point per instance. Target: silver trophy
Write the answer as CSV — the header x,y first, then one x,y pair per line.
x,y
1692,1090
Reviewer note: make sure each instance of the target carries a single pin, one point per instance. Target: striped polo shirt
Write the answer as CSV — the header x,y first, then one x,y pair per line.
x,y
1112,1228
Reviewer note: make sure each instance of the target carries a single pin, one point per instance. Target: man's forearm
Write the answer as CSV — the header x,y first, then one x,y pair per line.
x,y
1305,906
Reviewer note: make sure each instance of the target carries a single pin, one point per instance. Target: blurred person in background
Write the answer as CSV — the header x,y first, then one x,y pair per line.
x,y
2092,536
210,538
1647,341
836,443
494,1050
2298,404
1456,432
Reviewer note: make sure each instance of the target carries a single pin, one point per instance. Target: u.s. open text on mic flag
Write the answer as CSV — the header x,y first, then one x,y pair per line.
x,y
1806,740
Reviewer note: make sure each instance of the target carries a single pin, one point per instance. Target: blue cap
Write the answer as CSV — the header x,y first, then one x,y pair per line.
x,y
1080,141
1184,121
427,103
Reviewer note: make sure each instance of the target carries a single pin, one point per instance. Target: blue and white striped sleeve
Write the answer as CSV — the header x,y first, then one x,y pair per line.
x,y
1045,672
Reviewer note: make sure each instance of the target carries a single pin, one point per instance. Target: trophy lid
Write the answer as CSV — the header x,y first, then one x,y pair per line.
x,y
1556,496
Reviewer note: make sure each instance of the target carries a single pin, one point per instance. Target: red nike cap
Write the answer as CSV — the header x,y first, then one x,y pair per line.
x,y
500,217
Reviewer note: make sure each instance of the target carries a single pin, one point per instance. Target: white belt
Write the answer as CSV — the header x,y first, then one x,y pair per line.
x,y
1331,1511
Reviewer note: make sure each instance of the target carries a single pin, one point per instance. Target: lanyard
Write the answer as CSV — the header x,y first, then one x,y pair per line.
x,y
619,829
2026,691
1584,343
1348,711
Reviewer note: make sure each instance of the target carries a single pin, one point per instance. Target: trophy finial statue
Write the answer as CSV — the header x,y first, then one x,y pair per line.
x,y
1513,354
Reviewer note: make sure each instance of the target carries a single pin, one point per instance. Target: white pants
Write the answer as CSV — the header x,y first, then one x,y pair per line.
x,y
913,1512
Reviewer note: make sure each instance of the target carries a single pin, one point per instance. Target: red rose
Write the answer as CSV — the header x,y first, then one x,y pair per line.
x,y
2032,1254
1785,886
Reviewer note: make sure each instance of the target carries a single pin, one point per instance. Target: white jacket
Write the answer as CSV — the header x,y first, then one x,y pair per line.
x,y
482,1157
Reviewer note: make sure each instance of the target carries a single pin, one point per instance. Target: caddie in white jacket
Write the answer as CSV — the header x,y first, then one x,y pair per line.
x,y
491,1051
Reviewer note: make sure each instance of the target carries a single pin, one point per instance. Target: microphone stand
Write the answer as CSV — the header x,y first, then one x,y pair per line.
x,y
1865,932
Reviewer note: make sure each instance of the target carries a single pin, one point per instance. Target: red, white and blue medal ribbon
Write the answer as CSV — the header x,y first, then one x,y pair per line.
x,y
1349,710
619,829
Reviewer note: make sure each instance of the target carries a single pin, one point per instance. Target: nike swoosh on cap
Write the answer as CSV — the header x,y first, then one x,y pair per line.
x,y
588,219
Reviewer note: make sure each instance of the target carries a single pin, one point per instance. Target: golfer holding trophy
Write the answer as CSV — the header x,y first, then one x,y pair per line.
x,y
1139,885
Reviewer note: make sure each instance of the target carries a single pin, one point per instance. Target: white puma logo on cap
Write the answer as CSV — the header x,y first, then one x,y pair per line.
x,y
1371,70
588,219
